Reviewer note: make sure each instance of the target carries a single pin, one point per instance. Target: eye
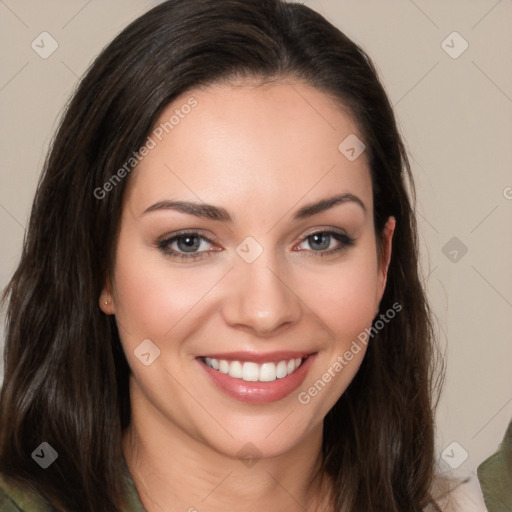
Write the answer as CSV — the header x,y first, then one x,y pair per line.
x,y
325,242
186,245
193,245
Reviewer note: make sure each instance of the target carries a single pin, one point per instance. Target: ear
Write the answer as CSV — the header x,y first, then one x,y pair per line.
x,y
385,257
106,300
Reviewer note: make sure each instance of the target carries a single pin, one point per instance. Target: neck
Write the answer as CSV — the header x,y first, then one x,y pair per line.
x,y
172,470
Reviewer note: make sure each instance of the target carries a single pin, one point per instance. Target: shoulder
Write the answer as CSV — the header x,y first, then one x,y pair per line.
x,y
495,475
464,497
6,503
13,498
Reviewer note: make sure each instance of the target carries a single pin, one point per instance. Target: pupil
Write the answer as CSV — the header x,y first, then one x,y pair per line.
x,y
188,243
319,241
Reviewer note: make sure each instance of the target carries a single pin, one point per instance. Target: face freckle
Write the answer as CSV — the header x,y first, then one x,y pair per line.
x,y
248,235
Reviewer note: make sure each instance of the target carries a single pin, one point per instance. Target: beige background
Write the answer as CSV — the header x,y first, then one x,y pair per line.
x,y
455,114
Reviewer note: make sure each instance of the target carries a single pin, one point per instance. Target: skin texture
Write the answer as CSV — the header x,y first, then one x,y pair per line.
x,y
260,152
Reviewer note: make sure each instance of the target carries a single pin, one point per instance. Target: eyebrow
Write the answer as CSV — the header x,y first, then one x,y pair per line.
x,y
325,204
211,212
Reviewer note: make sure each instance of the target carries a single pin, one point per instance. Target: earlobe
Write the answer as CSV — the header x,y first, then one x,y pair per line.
x,y
106,301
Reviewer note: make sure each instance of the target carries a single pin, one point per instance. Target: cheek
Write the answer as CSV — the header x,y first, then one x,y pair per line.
x,y
150,295
344,299
349,304
343,295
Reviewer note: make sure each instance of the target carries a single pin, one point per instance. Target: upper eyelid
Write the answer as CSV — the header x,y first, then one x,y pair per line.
x,y
184,232
330,229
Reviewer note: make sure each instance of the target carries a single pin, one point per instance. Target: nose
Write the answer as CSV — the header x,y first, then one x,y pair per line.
x,y
260,300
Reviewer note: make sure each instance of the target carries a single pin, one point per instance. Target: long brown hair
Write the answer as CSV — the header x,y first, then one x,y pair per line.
x,y
66,376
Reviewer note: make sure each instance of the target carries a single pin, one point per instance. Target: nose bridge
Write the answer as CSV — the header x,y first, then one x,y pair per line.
x,y
259,297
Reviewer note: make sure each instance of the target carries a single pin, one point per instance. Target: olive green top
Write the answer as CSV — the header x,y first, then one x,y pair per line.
x,y
17,499
495,475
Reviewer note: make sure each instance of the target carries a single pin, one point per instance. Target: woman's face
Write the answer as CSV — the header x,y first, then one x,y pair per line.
x,y
247,238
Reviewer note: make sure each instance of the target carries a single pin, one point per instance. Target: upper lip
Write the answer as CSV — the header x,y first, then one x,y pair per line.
x,y
258,357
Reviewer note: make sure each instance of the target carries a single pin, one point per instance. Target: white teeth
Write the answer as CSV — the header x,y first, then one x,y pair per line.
x,y
223,366
235,369
250,372
253,372
282,369
268,372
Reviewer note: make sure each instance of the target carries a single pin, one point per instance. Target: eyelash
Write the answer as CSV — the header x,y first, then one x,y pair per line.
x,y
345,241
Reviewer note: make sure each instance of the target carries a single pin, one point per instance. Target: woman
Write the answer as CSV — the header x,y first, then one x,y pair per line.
x,y
218,304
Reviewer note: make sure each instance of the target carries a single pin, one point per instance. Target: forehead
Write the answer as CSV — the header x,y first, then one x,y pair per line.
x,y
250,145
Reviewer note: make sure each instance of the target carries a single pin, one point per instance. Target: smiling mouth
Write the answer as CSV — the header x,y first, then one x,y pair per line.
x,y
249,371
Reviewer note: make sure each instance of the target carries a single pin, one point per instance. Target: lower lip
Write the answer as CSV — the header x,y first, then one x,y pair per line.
x,y
259,392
